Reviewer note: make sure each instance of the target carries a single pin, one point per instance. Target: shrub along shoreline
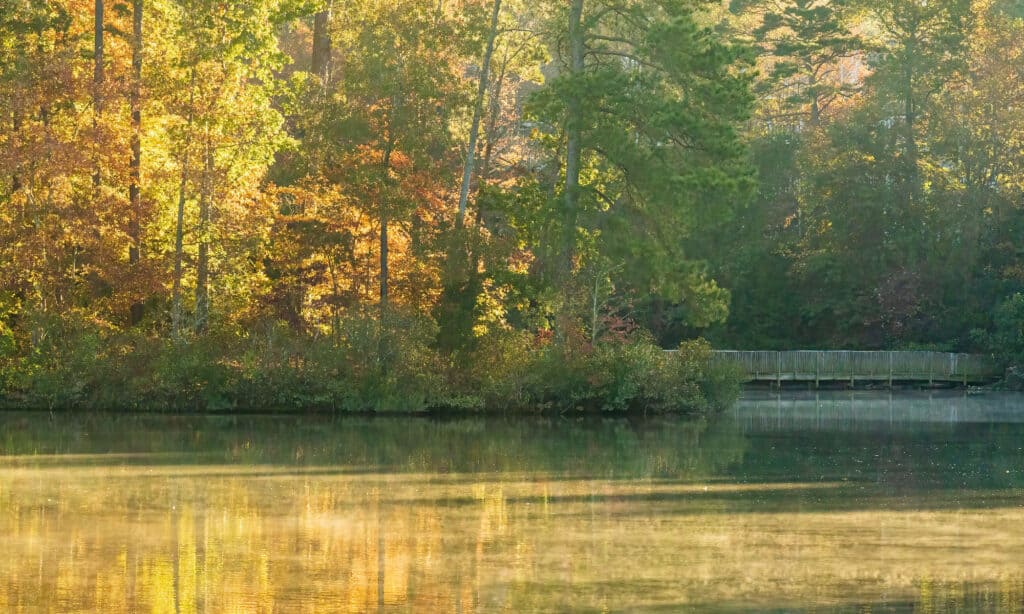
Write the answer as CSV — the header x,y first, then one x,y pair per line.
x,y
370,370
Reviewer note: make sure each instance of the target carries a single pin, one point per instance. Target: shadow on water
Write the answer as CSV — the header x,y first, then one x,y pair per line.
x,y
798,499
928,596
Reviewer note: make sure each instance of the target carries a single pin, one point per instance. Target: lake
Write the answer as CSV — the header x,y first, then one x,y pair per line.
x,y
806,502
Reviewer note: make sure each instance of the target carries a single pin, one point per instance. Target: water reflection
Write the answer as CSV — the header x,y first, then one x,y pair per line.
x,y
862,410
117,514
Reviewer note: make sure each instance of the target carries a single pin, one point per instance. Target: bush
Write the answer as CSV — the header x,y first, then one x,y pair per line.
x,y
65,359
390,366
495,374
370,366
636,376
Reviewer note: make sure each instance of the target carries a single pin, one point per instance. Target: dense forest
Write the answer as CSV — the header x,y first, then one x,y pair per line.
x,y
396,204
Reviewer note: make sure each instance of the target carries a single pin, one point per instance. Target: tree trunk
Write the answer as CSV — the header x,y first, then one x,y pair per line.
x,y
135,183
490,132
385,169
574,145
15,130
179,228
98,72
203,261
98,76
911,145
478,109
321,64
383,257
335,299
563,269
909,121
179,241
911,193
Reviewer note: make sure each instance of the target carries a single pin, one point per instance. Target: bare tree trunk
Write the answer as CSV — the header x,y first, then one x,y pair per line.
x,y
910,195
179,228
574,133
490,135
336,296
383,340
135,183
203,261
490,132
179,241
478,109
97,46
98,77
386,170
321,64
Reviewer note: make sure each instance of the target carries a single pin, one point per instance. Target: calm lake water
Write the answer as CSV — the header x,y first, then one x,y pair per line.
x,y
820,503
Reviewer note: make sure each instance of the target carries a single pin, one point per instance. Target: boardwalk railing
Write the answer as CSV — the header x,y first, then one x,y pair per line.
x,y
830,366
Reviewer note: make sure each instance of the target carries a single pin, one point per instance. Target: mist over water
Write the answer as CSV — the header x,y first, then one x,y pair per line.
x,y
800,502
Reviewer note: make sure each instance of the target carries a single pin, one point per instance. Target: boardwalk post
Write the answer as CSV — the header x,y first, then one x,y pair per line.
x,y
778,368
890,370
817,370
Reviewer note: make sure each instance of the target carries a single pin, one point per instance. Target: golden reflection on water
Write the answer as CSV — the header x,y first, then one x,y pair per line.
x,y
233,538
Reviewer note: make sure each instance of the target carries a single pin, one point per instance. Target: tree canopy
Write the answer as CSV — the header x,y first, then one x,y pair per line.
x,y
458,174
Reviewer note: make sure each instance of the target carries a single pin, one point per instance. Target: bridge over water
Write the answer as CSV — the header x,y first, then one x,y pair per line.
x,y
831,366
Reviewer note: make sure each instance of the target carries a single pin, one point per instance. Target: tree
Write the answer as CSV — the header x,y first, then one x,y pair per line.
x,y
810,55
478,271
321,56
921,48
51,241
389,120
478,111
135,179
647,102
227,128
99,76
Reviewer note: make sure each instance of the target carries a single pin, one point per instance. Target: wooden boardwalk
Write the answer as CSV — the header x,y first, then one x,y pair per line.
x,y
819,366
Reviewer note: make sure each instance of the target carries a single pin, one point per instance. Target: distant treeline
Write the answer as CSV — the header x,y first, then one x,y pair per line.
x,y
889,142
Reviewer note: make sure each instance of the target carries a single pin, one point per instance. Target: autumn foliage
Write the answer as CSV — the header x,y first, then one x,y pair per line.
x,y
218,205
